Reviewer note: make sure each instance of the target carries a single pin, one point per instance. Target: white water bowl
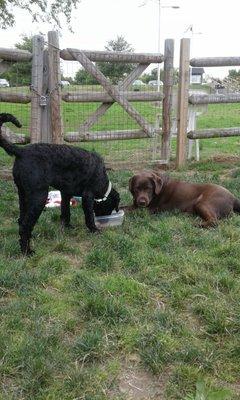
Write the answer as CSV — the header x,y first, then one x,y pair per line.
x,y
115,219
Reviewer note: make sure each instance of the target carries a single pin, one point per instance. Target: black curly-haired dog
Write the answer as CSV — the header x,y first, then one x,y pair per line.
x,y
71,170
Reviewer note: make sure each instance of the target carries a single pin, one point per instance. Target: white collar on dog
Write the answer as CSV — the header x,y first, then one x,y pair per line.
x,y
106,194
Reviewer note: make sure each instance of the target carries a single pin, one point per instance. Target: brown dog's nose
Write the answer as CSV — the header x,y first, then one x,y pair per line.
x,y
142,202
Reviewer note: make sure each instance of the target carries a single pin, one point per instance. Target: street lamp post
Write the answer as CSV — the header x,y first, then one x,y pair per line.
x,y
158,48
159,36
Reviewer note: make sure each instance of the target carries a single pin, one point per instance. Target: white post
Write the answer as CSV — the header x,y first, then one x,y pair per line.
x,y
192,118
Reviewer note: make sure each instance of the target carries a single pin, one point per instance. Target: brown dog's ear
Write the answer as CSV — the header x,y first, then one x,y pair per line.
x,y
158,182
130,183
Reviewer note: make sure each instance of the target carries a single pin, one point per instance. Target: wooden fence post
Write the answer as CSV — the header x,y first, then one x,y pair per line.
x,y
46,126
54,87
183,92
36,87
167,100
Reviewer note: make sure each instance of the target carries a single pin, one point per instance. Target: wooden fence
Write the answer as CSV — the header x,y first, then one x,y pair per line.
x,y
45,95
185,100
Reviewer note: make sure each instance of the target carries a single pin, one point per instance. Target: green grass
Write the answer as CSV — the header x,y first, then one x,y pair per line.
x,y
156,296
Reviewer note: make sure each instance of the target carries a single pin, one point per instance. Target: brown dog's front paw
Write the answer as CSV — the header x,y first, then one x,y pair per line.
x,y
153,210
207,224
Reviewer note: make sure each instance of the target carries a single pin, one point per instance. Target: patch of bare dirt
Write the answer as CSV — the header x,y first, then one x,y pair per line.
x,y
6,174
226,158
235,387
136,383
51,289
229,174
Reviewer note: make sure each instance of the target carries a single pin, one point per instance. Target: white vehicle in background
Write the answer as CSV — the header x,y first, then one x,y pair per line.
x,y
155,83
137,85
138,82
64,83
4,83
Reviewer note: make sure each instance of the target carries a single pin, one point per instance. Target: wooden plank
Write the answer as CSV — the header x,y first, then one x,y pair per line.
x,y
113,91
213,133
96,97
10,97
113,56
101,110
105,135
37,79
17,138
132,76
94,117
183,90
15,54
54,87
46,126
167,100
214,98
215,62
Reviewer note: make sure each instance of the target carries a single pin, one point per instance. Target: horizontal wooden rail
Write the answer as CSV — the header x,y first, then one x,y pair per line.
x,y
9,97
213,133
91,97
214,98
105,135
114,56
15,54
12,137
84,97
215,62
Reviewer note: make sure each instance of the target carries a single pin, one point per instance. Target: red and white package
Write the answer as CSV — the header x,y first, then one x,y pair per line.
x,y
54,199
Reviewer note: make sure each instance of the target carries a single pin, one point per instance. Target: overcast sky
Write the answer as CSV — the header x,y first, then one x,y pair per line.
x,y
215,27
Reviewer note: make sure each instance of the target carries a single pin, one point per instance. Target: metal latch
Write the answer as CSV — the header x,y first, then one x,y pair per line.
x,y
43,101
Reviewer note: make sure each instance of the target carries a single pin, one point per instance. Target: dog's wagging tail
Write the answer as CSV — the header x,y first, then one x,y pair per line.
x,y
10,148
71,170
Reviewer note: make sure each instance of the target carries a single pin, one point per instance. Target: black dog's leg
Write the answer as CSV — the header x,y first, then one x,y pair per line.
x,y
35,205
22,204
65,210
87,204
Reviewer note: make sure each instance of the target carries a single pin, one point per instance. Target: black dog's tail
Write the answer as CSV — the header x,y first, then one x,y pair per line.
x,y
10,148
236,206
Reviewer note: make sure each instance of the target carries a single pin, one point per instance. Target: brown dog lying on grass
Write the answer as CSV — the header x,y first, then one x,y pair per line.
x,y
160,193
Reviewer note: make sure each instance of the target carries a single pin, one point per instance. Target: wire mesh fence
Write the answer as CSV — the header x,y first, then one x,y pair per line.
x,y
218,116
104,125
12,90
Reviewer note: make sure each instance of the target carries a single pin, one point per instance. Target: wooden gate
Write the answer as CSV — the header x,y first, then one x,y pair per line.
x,y
45,95
122,96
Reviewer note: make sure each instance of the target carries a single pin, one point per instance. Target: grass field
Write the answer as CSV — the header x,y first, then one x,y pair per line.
x,y
143,311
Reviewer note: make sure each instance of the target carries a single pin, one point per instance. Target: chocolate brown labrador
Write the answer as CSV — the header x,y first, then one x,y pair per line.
x,y
160,193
